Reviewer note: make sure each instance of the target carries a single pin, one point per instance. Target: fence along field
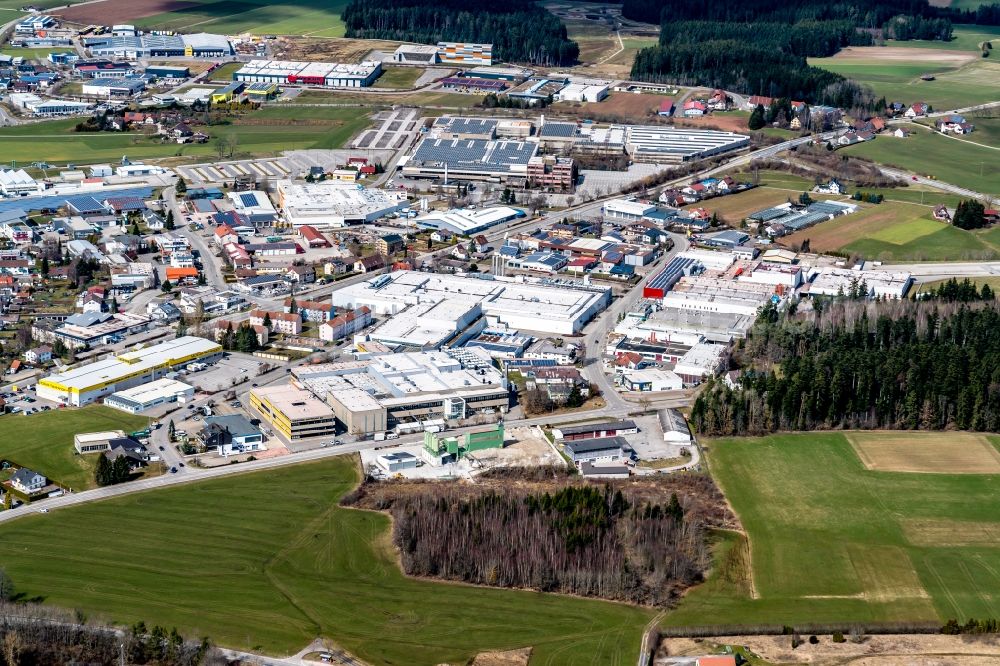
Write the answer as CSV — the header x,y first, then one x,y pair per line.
x,y
834,542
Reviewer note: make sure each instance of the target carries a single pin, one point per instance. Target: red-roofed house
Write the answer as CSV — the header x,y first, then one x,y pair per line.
x,y
695,108
758,100
666,108
346,324
225,234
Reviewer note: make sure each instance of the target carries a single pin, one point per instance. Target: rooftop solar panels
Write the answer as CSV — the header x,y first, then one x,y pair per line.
x,y
474,154
248,200
660,283
558,130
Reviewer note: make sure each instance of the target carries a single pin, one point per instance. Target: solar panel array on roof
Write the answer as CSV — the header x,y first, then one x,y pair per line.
x,y
768,214
248,200
532,363
474,153
558,129
672,272
485,126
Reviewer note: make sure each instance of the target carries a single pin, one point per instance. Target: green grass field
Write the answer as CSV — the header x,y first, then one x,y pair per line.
x,y
55,141
398,77
831,541
929,153
32,54
225,73
441,100
320,18
964,38
974,83
269,560
44,441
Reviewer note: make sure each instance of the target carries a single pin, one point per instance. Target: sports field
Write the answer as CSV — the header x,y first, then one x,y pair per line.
x,y
44,441
895,231
55,141
831,541
269,561
962,78
929,153
228,17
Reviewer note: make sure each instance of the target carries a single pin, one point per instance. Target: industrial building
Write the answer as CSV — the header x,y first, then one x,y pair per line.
x,y
146,396
470,159
546,305
712,294
330,74
96,442
375,395
335,204
596,430
294,412
415,54
47,107
603,449
133,47
465,54
443,449
549,171
679,144
116,88
583,91
429,325
468,221
879,284
650,380
87,383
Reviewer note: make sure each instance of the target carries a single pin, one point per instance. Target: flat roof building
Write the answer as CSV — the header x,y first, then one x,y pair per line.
x,y
330,74
468,221
87,383
470,159
335,204
293,411
146,396
546,305
679,144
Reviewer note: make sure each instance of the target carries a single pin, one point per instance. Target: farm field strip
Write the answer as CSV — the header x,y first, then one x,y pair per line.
x,y
277,546
834,542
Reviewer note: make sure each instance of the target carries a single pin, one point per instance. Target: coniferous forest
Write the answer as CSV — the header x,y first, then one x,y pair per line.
x,y
624,542
760,47
519,30
931,364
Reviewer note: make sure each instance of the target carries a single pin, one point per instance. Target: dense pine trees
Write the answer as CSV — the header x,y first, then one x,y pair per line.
x,y
856,364
519,30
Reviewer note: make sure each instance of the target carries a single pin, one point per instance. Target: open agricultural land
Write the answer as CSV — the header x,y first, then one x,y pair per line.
x,y
297,566
964,38
929,153
44,441
962,78
442,100
313,17
263,133
894,231
831,541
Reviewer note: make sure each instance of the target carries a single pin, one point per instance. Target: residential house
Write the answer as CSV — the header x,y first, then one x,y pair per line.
x,y
832,187
901,133
311,310
282,322
220,327
369,264
27,481
304,274
481,244
390,244
917,109
558,383
442,236
38,355
941,213
345,324
694,108
666,108
224,235
337,267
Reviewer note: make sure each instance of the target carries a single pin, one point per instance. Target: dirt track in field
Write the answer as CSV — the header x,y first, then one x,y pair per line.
x,y
906,55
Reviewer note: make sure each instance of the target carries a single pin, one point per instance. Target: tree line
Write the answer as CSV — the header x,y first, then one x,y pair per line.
x,y
519,30
860,364
607,542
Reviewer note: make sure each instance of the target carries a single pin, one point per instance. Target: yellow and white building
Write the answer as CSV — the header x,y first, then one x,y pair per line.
x,y
294,412
88,383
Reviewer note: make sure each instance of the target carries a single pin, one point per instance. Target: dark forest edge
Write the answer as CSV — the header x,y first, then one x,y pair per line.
x,y
520,30
927,364
761,48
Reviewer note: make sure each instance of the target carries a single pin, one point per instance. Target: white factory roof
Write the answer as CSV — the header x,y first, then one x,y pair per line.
x,y
425,324
626,207
503,298
11,178
161,388
833,281
466,220
293,402
680,140
284,68
335,198
710,259
112,369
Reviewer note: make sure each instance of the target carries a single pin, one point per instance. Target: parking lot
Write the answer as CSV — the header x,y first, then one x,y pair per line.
x,y
392,130
229,372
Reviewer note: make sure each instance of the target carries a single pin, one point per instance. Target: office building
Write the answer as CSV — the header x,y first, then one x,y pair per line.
x,y
294,412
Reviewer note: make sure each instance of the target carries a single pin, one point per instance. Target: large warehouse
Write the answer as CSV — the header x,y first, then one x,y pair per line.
x,y
200,45
468,221
470,159
331,74
370,396
87,383
679,144
544,305
146,396
335,204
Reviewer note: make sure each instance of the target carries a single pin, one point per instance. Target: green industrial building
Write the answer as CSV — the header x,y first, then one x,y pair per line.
x,y
442,450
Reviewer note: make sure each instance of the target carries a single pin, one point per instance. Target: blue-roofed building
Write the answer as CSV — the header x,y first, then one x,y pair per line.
x,y
728,239
508,251
205,193
661,283
85,205
542,262
622,271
